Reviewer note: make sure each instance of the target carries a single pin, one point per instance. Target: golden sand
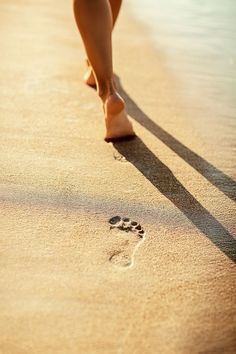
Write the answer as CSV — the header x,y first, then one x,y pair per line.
x,y
61,183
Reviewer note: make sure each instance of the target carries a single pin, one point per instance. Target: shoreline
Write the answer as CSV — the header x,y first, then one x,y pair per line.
x,y
199,110
61,184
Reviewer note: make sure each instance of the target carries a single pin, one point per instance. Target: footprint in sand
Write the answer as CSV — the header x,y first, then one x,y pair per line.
x,y
130,234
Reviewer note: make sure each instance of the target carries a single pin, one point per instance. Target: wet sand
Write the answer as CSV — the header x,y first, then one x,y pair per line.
x,y
61,183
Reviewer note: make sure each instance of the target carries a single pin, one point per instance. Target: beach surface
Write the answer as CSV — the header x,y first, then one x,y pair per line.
x,y
70,283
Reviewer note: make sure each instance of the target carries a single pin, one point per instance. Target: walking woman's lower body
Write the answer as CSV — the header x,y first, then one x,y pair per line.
x,y
95,20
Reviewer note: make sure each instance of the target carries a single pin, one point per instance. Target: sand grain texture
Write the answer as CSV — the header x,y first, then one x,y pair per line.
x,y
61,183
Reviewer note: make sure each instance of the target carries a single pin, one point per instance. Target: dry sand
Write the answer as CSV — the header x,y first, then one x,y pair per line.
x,y
60,184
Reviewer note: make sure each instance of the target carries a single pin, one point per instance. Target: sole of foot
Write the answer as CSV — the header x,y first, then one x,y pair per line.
x,y
89,78
118,125
130,235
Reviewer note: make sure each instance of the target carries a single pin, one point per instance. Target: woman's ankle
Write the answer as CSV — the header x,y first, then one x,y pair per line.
x,y
113,104
106,89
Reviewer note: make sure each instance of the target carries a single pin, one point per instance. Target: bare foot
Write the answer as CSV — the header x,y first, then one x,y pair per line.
x,y
118,125
89,78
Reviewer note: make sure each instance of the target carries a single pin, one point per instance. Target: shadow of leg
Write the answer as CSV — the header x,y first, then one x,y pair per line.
x,y
136,152
216,177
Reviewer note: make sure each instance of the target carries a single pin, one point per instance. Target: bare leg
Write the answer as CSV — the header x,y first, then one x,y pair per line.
x,y
94,20
89,77
115,9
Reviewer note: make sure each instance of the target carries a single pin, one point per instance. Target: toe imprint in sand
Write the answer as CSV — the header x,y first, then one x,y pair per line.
x,y
131,234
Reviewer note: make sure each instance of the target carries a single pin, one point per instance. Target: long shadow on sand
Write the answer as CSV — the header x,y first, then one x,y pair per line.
x,y
216,177
136,152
